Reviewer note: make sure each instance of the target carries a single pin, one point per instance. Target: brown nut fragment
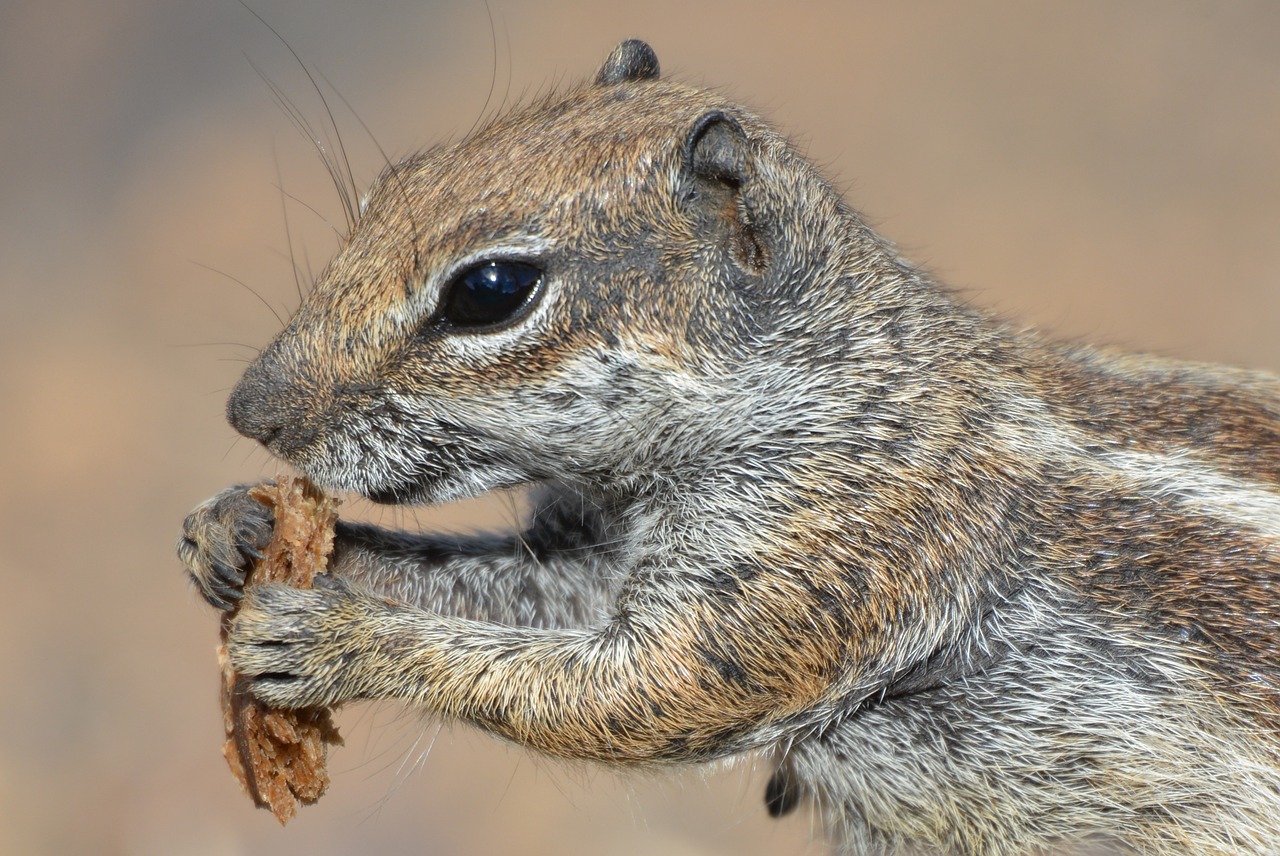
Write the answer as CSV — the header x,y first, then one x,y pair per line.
x,y
279,755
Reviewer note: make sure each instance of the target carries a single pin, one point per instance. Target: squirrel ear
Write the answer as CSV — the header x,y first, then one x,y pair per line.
x,y
716,157
631,60
716,149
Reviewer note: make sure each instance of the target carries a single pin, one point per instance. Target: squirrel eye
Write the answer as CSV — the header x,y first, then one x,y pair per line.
x,y
489,294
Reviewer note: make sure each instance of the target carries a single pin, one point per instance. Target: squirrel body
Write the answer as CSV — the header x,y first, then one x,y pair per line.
x,y
978,592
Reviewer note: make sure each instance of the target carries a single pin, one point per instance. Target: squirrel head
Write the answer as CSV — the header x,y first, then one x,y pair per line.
x,y
577,291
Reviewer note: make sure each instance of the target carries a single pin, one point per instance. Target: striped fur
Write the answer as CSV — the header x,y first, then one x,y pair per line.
x,y
978,593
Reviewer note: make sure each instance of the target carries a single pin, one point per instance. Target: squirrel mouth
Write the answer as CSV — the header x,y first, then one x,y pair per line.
x,y
434,486
407,489
405,494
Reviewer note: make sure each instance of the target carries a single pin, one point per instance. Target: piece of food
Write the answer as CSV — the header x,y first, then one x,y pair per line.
x,y
279,755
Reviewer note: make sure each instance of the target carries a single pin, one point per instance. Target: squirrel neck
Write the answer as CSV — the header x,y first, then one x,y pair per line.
x,y
877,401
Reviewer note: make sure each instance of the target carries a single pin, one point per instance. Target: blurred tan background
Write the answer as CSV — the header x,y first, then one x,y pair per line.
x,y
1104,169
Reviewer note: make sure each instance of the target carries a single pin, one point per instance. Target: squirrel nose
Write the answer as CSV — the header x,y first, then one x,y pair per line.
x,y
266,407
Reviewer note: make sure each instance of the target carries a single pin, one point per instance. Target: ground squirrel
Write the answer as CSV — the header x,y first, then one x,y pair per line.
x,y
978,592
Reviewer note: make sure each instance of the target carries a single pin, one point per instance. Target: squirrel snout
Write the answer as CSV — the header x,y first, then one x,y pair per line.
x,y
249,419
266,407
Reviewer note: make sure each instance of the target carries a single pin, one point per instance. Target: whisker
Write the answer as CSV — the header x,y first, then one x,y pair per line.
x,y
392,168
493,75
506,93
288,232
310,208
248,347
243,285
344,179
304,128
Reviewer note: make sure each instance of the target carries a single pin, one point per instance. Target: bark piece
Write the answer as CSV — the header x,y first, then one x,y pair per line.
x,y
279,756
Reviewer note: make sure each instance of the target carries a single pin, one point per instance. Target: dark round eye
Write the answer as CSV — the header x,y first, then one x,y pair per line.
x,y
489,294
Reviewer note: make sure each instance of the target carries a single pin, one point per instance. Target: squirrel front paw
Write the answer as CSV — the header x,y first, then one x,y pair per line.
x,y
305,647
221,539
